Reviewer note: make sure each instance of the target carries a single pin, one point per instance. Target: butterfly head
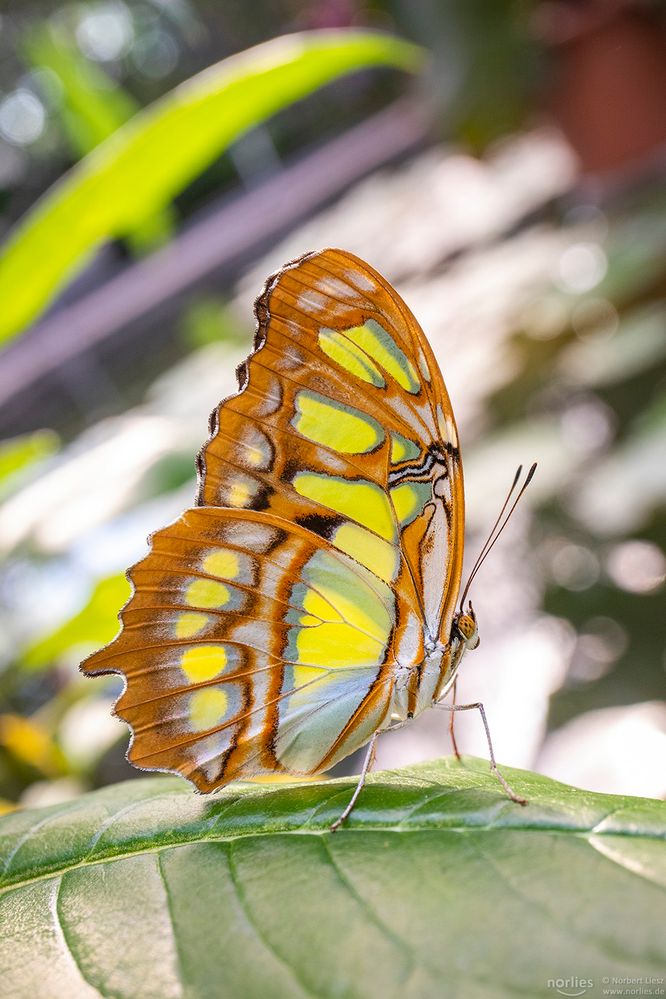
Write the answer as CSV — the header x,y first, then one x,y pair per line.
x,y
467,628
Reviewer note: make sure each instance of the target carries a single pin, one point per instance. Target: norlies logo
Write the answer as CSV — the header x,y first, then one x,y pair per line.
x,y
573,986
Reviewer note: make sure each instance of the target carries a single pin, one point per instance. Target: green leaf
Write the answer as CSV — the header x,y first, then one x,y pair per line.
x,y
438,886
142,166
92,107
20,455
93,626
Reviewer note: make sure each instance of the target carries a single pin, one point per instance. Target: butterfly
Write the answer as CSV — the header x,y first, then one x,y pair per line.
x,y
308,600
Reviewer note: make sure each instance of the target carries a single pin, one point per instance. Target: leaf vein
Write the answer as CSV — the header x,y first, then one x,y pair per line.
x,y
260,935
62,937
374,916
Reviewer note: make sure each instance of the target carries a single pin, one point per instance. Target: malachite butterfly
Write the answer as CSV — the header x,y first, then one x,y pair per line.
x,y
308,600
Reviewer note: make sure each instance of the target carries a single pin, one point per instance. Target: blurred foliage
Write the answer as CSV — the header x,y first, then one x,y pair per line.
x,y
207,321
594,358
117,186
484,69
93,626
20,456
31,744
92,107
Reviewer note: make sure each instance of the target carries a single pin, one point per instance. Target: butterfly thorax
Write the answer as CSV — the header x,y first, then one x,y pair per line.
x,y
419,686
415,686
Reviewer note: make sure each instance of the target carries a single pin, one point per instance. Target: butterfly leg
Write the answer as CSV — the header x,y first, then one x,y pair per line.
x,y
452,719
367,764
493,763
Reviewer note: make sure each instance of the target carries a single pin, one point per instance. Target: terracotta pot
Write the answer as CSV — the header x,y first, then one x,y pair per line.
x,y
609,85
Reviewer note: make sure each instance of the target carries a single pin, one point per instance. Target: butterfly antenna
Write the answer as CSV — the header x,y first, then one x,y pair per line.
x,y
497,528
481,554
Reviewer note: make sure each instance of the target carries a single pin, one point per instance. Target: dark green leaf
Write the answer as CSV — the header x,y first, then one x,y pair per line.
x,y
438,886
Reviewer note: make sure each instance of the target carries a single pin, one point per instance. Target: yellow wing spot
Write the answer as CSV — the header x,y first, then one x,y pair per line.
x,y
374,553
355,626
409,499
207,593
403,449
203,662
257,450
337,594
207,708
222,563
189,623
339,427
361,501
335,646
318,607
382,348
238,495
357,612
254,456
350,357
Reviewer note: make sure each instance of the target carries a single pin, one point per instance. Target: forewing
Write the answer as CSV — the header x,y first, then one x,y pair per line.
x,y
341,411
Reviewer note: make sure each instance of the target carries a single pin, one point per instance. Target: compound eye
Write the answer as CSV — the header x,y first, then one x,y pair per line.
x,y
468,629
466,626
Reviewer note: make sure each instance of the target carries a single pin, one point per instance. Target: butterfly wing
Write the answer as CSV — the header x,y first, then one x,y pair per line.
x,y
268,626
343,424
251,646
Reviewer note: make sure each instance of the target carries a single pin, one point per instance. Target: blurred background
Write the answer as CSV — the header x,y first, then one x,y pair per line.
x,y
512,188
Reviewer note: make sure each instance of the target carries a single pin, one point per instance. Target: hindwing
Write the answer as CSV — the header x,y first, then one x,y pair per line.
x,y
251,646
